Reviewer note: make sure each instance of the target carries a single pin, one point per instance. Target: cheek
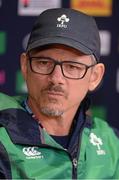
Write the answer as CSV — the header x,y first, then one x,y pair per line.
x,y
78,91
35,83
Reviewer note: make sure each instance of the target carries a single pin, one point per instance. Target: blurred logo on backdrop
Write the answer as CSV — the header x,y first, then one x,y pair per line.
x,y
20,83
105,37
93,7
2,42
99,111
2,77
0,3
35,7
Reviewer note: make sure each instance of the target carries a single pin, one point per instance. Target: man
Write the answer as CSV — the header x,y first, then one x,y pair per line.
x,y
47,135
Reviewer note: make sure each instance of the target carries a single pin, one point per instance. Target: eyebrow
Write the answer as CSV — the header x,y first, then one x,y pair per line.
x,y
46,57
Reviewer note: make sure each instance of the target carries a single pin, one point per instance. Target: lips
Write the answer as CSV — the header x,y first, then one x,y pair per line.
x,y
55,93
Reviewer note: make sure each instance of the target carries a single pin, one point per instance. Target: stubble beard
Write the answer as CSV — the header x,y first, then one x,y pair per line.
x,y
52,107
47,111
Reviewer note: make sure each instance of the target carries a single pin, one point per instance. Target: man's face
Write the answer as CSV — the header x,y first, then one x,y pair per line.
x,y
55,94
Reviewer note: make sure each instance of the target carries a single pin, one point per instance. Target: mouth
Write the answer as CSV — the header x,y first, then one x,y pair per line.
x,y
55,93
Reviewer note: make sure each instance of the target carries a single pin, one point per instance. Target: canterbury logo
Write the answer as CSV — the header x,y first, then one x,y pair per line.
x,y
32,153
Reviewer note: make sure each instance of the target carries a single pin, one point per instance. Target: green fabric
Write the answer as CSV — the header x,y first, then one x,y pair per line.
x,y
101,162
98,156
7,102
55,163
43,166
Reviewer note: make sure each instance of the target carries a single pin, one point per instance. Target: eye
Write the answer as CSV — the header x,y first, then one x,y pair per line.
x,y
73,66
41,62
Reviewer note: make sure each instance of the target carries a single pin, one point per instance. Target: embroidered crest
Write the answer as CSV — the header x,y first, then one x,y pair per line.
x,y
96,141
63,19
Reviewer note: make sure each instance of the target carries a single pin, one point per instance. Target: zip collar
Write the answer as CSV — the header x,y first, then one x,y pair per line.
x,y
24,129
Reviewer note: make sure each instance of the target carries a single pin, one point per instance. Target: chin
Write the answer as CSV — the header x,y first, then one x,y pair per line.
x,y
52,112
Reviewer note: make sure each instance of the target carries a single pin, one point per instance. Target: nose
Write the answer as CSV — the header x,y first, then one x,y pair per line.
x,y
57,76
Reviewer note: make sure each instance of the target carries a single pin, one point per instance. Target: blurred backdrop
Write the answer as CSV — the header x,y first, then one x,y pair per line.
x,y
16,20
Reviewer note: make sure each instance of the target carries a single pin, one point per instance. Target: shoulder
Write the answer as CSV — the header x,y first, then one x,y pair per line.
x,y
7,102
105,129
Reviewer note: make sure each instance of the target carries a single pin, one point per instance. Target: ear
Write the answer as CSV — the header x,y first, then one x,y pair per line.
x,y
96,76
23,62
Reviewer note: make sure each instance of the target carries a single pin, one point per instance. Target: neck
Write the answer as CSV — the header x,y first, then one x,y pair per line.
x,y
58,126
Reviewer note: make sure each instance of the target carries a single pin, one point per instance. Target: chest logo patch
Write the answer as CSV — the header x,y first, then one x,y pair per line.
x,y
97,141
32,153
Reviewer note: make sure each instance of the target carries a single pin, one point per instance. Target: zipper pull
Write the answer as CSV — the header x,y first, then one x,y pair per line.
x,y
75,162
